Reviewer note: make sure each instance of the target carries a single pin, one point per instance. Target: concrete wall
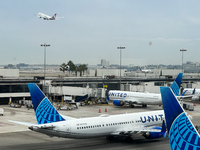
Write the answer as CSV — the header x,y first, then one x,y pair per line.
x,y
172,72
9,73
103,72
14,95
147,87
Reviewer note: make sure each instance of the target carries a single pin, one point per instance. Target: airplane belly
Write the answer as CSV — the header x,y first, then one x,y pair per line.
x,y
90,133
52,133
85,135
150,101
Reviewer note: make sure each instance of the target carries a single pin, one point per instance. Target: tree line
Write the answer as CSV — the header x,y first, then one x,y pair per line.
x,y
71,67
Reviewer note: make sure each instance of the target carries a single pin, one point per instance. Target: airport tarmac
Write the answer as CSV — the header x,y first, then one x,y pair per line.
x,y
14,136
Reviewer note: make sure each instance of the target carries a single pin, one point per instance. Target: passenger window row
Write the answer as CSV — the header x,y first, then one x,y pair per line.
x,y
88,127
119,123
111,124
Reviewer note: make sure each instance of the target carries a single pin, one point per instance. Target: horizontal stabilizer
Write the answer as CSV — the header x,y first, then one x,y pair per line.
x,y
23,123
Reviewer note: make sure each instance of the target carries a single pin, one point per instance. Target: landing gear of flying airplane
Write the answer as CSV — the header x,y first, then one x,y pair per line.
x,y
110,138
144,105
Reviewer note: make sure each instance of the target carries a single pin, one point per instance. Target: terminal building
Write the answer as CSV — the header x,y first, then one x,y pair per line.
x,y
13,84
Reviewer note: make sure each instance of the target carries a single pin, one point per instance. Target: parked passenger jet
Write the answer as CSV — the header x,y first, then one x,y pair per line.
x,y
145,70
194,94
120,98
181,131
46,17
51,123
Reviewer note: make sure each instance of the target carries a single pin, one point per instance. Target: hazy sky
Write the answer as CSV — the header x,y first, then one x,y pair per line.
x,y
92,30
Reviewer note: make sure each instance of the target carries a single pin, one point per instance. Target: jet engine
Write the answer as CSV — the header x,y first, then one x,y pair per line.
x,y
195,98
118,103
155,135
152,135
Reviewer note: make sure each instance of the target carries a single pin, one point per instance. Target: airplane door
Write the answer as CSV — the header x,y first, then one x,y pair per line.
x,y
68,128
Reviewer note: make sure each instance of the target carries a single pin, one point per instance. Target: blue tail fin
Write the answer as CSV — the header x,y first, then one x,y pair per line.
x,y
184,93
177,84
182,133
163,130
44,111
107,99
193,91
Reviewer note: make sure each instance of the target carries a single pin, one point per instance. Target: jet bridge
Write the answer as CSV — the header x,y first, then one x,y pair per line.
x,y
82,92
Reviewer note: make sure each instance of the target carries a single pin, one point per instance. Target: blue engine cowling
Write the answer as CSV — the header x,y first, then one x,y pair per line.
x,y
118,103
153,135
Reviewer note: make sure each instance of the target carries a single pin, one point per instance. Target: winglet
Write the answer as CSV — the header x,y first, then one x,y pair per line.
x,y
177,84
193,91
182,133
44,110
184,93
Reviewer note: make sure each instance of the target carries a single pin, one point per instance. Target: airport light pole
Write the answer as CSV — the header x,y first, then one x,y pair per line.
x,y
182,50
45,45
120,48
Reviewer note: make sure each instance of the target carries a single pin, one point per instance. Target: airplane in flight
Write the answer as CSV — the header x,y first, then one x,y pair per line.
x,y
46,17
181,131
121,98
50,122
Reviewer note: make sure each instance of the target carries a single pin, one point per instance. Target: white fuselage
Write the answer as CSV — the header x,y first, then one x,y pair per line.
x,y
44,16
146,71
190,91
105,125
136,97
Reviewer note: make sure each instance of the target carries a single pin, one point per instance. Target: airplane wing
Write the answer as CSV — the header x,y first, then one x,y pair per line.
x,y
58,18
182,97
137,130
186,96
35,124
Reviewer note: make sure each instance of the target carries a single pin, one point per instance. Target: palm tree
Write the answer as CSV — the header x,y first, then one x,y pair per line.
x,y
71,65
84,68
76,70
63,67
